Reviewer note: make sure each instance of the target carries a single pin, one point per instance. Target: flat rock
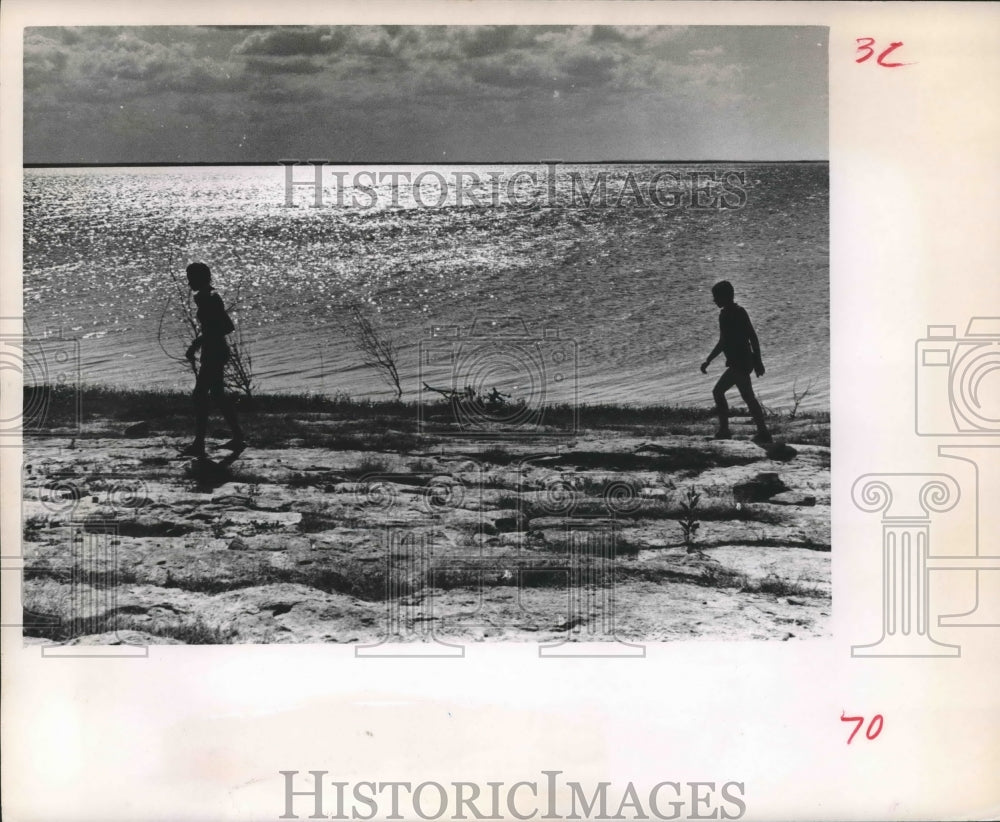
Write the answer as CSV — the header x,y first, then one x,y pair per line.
x,y
125,637
780,451
570,524
269,553
760,488
506,525
792,498
264,517
277,542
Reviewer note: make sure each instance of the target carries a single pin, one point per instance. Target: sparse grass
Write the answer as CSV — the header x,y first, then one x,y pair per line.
x,y
396,441
781,587
314,479
312,522
495,455
653,509
48,616
323,421
368,466
189,631
422,466
34,524
677,458
718,577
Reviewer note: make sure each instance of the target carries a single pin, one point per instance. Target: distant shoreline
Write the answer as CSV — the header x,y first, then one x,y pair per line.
x,y
426,163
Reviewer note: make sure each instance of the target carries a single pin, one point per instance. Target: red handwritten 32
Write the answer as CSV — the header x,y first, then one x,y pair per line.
x,y
866,45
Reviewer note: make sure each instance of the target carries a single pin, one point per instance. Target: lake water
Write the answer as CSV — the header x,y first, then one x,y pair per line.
x,y
612,300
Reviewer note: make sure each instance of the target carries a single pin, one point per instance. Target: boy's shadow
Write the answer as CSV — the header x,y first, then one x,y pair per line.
x,y
210,474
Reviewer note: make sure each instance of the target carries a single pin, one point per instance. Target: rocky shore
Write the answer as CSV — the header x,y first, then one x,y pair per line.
x,y
609,534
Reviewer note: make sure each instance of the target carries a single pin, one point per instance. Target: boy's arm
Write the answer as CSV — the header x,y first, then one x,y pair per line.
x,y
758,364
193,348
196,343
715,353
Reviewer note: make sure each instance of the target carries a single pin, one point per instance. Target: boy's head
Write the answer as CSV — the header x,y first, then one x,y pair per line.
x,y
723,293
199,276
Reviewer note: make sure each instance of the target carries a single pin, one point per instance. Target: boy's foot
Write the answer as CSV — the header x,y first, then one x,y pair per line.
x,y
762,438
235,445
722,434
195,449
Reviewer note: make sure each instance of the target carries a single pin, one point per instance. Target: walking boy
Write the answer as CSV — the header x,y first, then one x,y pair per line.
x,y
738,341
215,325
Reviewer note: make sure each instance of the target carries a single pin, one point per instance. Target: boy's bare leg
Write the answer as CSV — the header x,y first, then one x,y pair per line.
x,y
726,381
200,399
753,406
229,414
228,409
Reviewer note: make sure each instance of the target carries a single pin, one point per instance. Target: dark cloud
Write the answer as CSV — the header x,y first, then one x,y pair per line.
x,y
483,41
126,57
293,42
44,60
590,69
518,73
291,65
459,90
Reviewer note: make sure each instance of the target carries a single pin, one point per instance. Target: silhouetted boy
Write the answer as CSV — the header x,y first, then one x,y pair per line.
x,y
215,325
738,341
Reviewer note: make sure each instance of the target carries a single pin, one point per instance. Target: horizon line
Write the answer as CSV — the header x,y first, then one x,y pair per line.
x,y
403,163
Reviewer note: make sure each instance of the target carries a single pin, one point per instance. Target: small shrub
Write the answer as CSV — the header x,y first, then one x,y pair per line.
x,y
194,632
781,587
689,518
371,465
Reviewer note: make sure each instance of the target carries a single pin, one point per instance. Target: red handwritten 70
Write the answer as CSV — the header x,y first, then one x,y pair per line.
x,y
866,45
874,727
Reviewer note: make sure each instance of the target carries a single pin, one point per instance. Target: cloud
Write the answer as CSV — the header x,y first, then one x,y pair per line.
x,y
112,64
44,59
293,42
413,85
589,70
291,65
126,57
707,54
483,41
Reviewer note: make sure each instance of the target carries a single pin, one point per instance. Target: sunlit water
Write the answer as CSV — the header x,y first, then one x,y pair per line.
x,y
615,300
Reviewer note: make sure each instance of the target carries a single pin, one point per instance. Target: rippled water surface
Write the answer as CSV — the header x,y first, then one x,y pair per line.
x,y
624,286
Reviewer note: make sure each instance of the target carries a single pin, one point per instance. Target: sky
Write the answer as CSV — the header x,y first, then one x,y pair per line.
x,y
427,94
